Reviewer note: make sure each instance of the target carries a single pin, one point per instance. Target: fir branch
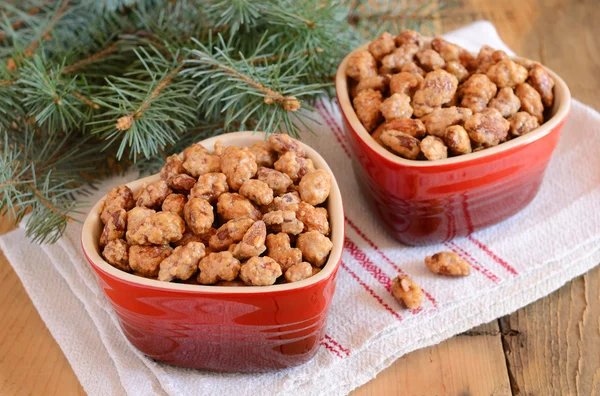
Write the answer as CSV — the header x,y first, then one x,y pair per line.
x,y
21,22
270,93
29,51
90,59
147,108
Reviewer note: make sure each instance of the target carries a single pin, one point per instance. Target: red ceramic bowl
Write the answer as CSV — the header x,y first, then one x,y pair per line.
x,y
423,202
222,328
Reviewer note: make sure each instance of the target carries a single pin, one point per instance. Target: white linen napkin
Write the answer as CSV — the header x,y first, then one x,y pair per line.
x,y
555,238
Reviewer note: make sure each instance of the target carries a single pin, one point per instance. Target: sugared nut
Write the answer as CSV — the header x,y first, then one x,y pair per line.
x,y
260,271
382,45
360,65
430,60
280,250
158,229
379,82
199,215
409,126
499,55
283,221
257,191
541,81
190,236
283,143
253,242
407,291
231,206
210,186
522,123
401,143
136,216
315,247
293,165
409,37
118,198
173,167
315,186
531,101
145,260
437,89
412,67
182,182
264,154
238,165
367,106
231,232
484,59
298,272
314,219
114,227
438,120
477,91
197,160
277,181
447,263
182,263
283,201
457,70
174,203
405,83
488,128
153,194
507,73
452,52
396,107
457,139
392,62
216,267
115,253
506,102
434,148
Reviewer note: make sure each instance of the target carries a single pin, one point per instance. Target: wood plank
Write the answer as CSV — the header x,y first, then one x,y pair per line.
x,y
469,364
31,362
554,344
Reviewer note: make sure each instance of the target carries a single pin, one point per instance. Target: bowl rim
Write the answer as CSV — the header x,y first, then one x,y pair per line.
x,y
562,105
92,223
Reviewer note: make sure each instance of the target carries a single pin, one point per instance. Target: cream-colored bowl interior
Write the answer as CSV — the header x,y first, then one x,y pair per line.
x,y
92,228
560,108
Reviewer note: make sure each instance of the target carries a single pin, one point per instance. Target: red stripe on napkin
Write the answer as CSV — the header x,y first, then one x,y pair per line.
x,y
370,291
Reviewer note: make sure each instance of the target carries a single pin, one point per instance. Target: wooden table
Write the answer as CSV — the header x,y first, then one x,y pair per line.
x,y
550,347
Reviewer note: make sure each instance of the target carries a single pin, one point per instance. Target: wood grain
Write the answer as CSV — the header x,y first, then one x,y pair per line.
x,y
469,364
549,347
554,345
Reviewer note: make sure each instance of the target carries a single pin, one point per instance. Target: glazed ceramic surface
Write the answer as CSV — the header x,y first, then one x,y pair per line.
x,y
222,328
424,202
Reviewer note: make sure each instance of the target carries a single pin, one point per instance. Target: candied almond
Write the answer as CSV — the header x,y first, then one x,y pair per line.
x,y
409,126
298,272
382,45
401,143
145,260
360,65
433,148
315,186
116,254
367,106
447,263
182,263
260,271
216,267
437,89
407,291
117,198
